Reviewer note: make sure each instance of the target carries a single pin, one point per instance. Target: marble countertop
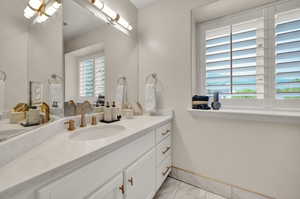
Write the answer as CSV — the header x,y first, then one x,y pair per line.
x,y
6,125
8,130
60,150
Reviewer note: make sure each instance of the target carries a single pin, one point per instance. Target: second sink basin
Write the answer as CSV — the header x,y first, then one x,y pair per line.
x,y
95,133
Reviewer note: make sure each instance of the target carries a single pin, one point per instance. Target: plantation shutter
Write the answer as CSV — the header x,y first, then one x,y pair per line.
x,y
287,49
99,76
86,75
235,60
92,77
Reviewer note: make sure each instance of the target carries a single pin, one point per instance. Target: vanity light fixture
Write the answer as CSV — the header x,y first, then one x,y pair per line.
x,y
41,9
110,16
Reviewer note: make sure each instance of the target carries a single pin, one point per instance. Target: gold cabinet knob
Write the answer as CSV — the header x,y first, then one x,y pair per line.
x,y
167,149
122,189
165,133
131,181
94,120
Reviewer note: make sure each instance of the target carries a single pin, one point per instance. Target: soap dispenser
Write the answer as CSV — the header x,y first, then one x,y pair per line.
x,y
107,113
114,111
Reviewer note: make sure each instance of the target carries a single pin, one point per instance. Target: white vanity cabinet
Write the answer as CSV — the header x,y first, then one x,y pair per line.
x,y
163,153
134,171
140,177
112,190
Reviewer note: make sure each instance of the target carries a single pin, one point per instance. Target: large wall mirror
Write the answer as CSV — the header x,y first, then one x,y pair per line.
x,y
14,37
96,52
30,51
55,51
31,54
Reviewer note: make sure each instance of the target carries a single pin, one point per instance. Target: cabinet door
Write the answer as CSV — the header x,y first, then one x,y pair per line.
x,y
114,189
140,178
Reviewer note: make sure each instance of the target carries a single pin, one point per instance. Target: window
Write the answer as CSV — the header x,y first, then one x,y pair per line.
x,y
234,60
252,58
287,41
92,76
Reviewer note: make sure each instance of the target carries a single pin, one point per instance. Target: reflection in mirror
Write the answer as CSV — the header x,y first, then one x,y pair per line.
x,y
45,58
100,46
30,52
13,54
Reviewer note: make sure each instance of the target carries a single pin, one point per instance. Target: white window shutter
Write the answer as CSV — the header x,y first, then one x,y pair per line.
x,y
287,49
234,60
86,74
99,76
92,77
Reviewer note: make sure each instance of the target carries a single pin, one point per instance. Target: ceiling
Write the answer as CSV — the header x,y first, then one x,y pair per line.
x,y
220,8
142,3
78,20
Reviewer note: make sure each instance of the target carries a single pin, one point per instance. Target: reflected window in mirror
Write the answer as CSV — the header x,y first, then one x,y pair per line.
x,y
92,76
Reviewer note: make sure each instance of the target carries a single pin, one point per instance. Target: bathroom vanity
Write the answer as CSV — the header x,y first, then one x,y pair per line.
x,y
129,159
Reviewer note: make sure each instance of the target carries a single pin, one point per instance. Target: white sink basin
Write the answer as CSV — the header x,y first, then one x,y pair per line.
x,y
95,133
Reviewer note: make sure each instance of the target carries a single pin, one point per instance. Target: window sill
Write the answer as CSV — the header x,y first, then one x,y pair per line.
x,y
255,115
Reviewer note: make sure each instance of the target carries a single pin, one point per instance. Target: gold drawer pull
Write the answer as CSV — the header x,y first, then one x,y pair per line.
x,y
165,133
167,149
165,173
131,181
122,189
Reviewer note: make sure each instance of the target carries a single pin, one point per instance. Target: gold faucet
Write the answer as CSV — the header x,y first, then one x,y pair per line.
x,y
45,109
21,107
84,108
71,102
82,120
71,125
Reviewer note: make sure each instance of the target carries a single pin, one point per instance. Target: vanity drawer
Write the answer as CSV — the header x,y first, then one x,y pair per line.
x,y
163,132
163,171
163,150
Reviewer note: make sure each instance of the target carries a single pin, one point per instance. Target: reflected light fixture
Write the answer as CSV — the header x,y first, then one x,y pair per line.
x,y
41,10
110,16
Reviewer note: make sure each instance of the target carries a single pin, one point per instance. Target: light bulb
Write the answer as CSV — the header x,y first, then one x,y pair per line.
x,y
109,12
50,10
121,28
130,27
35,4
56,5
40,19
123,22
98,4
28,12
101,16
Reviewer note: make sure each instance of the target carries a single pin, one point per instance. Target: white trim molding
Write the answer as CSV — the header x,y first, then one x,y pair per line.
x,y
215,186
250,114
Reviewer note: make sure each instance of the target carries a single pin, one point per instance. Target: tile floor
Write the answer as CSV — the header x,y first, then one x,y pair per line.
x,y
174,189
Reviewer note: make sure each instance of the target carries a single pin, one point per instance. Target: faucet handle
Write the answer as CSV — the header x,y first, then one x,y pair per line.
x,y
82,120
94,120
71,125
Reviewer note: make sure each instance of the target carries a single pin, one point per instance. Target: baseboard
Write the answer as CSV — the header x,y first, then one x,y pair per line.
x,y
216,186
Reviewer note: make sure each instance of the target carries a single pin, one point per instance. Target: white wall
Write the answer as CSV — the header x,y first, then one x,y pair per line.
x,y
121,55
13,51
71,77
259,156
